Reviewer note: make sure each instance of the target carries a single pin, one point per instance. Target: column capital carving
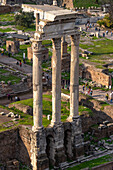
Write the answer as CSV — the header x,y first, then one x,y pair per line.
x,y
56,43
37,46
75,39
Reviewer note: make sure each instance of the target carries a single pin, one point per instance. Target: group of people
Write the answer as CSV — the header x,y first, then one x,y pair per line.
x,y
10,97
88,90
20,62
109,96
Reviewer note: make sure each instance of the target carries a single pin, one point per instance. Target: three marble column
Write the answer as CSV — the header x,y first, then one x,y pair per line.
x,y
56,82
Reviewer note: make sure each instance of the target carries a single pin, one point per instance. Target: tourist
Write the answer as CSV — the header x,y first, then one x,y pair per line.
x,y
103,34
8,54
83,88
20,63
8,96
86,85
91,92
109,87
24,58
106,32
17,63
107,96
16,98
11,97
111,97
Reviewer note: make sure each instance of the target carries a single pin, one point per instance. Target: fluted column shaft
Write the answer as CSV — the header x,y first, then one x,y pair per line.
x,y
74,77
56,81
37,85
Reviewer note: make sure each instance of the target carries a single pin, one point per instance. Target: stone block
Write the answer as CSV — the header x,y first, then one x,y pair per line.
x,y
84,55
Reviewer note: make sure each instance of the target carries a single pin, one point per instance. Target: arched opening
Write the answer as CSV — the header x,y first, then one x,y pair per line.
x,y
50,149
9,48
67,144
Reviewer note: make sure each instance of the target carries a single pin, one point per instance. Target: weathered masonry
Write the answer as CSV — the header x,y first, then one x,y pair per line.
x,y
61,140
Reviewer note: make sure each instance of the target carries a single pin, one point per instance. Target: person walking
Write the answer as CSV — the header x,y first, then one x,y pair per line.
x,y
111,97
91,92
20,63
24,58
107,96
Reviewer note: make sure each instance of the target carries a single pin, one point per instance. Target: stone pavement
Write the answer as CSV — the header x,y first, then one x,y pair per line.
x,y
27,69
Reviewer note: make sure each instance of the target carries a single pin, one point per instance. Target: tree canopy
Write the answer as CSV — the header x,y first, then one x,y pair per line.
x,y
24,19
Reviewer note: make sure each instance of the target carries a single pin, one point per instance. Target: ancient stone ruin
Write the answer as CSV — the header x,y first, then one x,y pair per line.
x,y
59,141
12,46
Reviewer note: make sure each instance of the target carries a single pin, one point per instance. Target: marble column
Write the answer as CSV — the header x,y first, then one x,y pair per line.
x,y
74,77
37,85
56,82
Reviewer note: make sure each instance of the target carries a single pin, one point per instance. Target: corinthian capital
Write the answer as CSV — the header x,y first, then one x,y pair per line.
x,y
75,39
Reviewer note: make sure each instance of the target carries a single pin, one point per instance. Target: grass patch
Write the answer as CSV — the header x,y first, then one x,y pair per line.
x,y
9,77
6,30
85,3
93,163
83,109
7,17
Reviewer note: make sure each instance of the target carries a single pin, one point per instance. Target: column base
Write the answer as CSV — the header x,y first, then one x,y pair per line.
x,y
39,158
42,164
55,124
70,118
35,129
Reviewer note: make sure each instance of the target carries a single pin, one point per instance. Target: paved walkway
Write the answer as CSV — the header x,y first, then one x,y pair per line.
x,y
97,94
27,69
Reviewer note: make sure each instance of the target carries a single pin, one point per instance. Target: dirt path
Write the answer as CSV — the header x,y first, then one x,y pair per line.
x,y
22,97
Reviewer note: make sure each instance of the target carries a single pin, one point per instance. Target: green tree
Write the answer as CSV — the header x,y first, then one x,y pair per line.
x,y
24,19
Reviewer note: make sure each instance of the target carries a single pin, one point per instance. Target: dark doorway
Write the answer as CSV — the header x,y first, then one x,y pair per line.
x,y
50,149
9,48
67,144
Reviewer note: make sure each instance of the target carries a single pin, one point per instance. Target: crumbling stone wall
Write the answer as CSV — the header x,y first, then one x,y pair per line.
x,y
68,3
45,53
95,75
8,145
24,145
11,2
7,8
23,108
12,46
15,144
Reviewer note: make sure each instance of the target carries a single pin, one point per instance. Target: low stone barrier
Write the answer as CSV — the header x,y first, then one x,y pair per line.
x,y
25,109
